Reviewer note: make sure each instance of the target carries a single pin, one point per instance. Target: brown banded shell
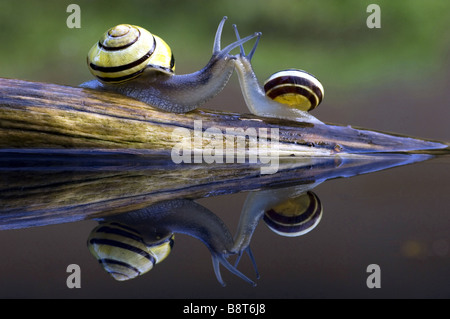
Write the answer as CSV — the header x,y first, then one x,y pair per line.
x,y
295,216
295,88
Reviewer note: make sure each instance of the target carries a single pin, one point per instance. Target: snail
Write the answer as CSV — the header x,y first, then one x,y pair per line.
x,y
134,242
290,212
296,88
287,94
131,61
296,216
124,252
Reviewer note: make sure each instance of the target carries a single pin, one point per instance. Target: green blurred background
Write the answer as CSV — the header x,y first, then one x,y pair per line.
x,y
373,77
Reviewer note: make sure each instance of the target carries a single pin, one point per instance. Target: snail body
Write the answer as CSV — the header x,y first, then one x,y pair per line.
x,y
290,93
133,62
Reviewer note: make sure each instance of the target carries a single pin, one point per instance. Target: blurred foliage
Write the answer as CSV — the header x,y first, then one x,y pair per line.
x,y
329,38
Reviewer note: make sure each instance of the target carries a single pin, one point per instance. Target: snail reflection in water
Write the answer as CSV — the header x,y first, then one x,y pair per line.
x,y
130,244
289,212
160,221
131,61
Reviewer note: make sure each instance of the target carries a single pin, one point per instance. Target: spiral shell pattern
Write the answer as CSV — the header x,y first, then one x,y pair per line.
x,y
295,216
295,88
122,251
125,51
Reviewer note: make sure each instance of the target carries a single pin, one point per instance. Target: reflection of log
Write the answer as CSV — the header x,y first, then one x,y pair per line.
x,y
38,115
48,188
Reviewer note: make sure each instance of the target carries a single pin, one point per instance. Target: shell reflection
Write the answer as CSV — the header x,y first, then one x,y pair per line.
x,y
295,216
124,253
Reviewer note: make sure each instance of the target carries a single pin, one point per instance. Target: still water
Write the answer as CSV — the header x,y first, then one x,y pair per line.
x,y
396,217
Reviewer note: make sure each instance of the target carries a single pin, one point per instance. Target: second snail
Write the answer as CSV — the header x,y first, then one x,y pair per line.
x,y
134,62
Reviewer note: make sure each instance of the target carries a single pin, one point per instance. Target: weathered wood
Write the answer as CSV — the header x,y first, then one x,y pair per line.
x,y
41,115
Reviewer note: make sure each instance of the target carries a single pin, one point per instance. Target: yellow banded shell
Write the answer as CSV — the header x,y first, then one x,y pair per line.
x,y
295,88
295,216
125,51
123,252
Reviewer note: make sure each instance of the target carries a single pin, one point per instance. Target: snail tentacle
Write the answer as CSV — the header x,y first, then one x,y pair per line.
x,y
220,259
255,97
252,259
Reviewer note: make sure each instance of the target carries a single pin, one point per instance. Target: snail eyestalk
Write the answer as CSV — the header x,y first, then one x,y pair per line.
x,y
261,104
